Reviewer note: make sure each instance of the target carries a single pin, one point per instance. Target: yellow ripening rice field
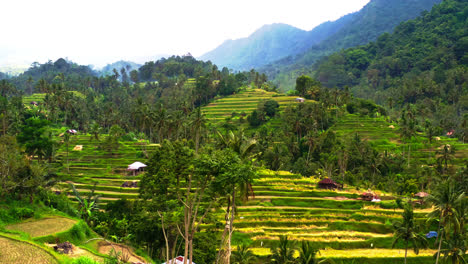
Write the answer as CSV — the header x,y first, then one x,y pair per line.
x,y
44,226
13,251
357,253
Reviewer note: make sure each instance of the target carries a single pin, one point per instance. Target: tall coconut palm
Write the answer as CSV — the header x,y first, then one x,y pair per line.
x,y
445,155
284,252
454,249
406,230
243,255
307,253
445,199
244,148
198,123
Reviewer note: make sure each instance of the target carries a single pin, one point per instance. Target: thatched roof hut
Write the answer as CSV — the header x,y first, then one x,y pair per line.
x,y
136,167
328,183
369,196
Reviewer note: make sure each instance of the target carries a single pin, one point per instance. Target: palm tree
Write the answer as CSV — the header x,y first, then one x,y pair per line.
x,y
307,253
445,200
406,230
95,131
198,123
237,142
67,142
243,255
284,253
446,154
455,249
374,160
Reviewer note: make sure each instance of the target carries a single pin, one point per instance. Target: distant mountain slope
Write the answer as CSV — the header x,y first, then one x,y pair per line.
x,y
422,66
270,43
118,65
377,17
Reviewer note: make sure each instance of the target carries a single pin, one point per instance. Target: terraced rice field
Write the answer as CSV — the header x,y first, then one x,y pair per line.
x,y
243,102
384,136
44,226
288,204
94,165
37,97
14,251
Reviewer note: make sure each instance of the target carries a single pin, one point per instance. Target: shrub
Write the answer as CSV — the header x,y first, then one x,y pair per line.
x,y
84,260
22,213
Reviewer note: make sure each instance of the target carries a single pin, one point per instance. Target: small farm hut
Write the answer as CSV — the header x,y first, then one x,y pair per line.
x,y
178,260
421,195
370,196
328,184
300,100
136,167
72,131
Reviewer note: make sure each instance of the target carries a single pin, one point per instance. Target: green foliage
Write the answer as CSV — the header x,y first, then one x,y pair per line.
x,y
84,260
86,206
406,67
254,119
359,28
308,87
408,231
307,253
35,137
242,255
283,252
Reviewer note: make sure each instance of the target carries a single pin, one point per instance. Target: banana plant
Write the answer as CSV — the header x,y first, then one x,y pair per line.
x,y
86,206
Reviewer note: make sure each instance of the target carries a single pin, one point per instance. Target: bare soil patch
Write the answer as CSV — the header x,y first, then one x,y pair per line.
x,y
106,248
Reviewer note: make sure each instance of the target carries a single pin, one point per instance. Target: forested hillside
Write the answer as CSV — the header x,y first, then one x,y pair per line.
x,y
270,43
421,67
3,76
128,66
61,70
374,19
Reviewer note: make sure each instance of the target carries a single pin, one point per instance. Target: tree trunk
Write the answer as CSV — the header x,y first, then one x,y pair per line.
x,y
438,231
197,140
4,126
406,250
191,249
165,237
440,245
186,234
231,222
226,230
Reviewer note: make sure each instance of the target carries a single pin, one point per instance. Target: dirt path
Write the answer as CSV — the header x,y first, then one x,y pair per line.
x,y
105,248
80,252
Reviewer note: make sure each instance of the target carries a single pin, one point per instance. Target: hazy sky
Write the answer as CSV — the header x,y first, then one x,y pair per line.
x,y
103,31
